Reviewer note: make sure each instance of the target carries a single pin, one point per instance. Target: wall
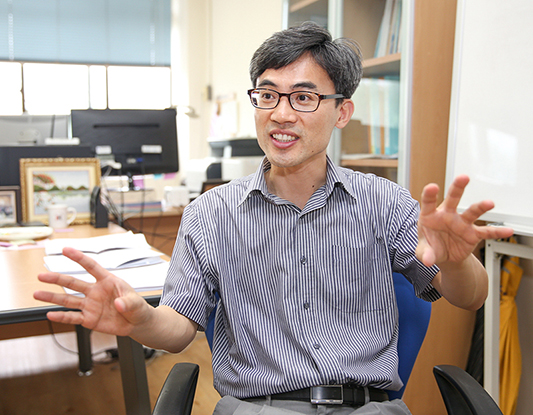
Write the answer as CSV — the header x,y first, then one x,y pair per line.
x,y
212,43
236,34
190,75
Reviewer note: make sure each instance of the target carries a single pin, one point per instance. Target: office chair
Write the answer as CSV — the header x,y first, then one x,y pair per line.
x,y
177,394
462,394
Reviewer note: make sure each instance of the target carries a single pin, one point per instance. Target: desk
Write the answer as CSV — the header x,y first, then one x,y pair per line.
x,y
19,269
160,228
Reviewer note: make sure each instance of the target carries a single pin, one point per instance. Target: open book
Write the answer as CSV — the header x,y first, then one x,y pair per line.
x,y
127,255
109,259
97,244
147,278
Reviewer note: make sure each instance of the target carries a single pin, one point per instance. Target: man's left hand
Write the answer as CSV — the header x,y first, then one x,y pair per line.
x,y
446,235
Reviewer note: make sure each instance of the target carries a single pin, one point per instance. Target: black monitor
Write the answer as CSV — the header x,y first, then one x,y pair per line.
x,y
139,141
10,156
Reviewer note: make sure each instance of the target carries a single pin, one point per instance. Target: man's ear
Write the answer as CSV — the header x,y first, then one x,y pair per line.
x,y
345,114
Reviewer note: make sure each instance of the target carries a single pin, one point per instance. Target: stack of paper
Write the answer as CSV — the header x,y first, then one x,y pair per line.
x,y
127,255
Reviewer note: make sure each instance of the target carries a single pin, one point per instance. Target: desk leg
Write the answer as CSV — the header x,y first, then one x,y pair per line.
x,y
85,357
133,372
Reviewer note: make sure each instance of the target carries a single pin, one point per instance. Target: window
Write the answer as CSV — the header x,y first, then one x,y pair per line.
x,y
55,88
61,55
10,88
138,87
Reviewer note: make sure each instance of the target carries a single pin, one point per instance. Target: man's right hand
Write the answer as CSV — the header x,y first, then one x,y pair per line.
x,y
109,305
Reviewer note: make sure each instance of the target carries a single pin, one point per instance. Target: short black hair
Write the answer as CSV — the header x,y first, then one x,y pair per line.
x,y
340,58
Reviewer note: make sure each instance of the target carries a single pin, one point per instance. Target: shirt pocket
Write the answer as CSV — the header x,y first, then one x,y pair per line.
x,y
361,280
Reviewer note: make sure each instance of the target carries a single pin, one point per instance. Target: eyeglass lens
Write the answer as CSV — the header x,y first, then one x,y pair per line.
x,y
299,100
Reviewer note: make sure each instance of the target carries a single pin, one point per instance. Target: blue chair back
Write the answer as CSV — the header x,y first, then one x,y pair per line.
x,y
414,315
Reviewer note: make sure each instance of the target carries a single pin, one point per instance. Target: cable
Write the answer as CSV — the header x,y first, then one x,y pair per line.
x,y
111,353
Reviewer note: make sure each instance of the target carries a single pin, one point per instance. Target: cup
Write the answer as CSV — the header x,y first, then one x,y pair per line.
x,y
60,216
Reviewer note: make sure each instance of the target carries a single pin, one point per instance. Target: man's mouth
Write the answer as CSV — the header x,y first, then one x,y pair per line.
x,y
284,138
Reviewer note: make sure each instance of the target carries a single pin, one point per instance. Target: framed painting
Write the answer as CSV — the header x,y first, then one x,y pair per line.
x,y
10,206
68,181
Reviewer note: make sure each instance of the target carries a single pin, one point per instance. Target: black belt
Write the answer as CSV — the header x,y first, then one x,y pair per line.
x,y
335,395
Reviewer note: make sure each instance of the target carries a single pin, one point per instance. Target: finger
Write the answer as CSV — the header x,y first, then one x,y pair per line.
x,y
90,265
129,303
455,192
64,300
428,201
475,211
494,232
65,281
425,253
66,317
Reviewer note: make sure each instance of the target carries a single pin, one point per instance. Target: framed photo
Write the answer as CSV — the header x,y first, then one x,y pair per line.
x,y
10,206
68,181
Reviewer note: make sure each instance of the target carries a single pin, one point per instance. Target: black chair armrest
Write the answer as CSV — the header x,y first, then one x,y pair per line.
x,y
177,394
462,394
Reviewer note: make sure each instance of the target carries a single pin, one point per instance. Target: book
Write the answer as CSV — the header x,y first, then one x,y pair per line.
x,y
109,259
384,30
147,278
388,40
127,255
377,106
97,244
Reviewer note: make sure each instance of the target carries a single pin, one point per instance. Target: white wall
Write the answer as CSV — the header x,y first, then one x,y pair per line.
x,y
239,27
190,43
212,43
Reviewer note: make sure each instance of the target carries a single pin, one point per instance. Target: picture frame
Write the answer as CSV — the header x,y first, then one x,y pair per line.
x,y
10,206
48,181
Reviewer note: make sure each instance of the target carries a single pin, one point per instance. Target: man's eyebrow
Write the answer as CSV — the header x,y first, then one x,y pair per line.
x,y
296,86
266,82
306,85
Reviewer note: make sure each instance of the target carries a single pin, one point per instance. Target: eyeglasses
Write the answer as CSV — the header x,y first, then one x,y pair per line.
x,y
302,101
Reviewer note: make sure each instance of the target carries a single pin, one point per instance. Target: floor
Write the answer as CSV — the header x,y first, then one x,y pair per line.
x,y
38,375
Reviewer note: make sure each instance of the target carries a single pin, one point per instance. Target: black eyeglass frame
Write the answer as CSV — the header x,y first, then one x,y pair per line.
x,y
288,95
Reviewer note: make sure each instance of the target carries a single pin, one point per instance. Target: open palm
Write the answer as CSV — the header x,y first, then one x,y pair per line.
x,y
446,235
103,304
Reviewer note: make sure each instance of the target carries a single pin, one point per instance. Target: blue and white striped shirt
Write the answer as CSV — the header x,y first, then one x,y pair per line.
x,y
306,296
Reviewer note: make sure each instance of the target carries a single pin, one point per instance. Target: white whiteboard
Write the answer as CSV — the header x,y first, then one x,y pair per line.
x,y
491,115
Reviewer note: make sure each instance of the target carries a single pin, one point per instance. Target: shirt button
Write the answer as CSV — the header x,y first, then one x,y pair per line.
x,y
307,305
316,346
303,259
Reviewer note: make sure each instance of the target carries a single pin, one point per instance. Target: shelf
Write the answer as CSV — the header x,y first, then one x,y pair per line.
x,y
370,162
382,66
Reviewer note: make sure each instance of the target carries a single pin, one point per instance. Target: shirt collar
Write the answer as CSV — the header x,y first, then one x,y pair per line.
x,y
335,177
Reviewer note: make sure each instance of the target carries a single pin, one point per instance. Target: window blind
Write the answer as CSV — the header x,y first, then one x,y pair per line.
x,y
120,32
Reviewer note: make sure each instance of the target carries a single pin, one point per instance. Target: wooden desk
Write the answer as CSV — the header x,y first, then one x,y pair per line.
x,y
27,316
160,228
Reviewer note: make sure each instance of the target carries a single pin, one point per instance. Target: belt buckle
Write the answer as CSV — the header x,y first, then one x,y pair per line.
x,y
327,395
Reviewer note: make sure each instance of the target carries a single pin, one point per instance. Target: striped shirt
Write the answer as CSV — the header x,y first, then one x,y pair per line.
x,y
306,295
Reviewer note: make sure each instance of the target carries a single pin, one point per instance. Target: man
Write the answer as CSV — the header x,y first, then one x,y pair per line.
x,y
301,253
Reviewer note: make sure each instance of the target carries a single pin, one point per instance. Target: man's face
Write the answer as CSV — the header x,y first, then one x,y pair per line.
x,y
290,138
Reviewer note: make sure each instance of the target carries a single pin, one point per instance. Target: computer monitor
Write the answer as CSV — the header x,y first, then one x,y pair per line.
x,y
139,141
10,156
32,129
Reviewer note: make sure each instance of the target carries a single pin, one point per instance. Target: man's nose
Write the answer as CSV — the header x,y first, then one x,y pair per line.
x,y
284,110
